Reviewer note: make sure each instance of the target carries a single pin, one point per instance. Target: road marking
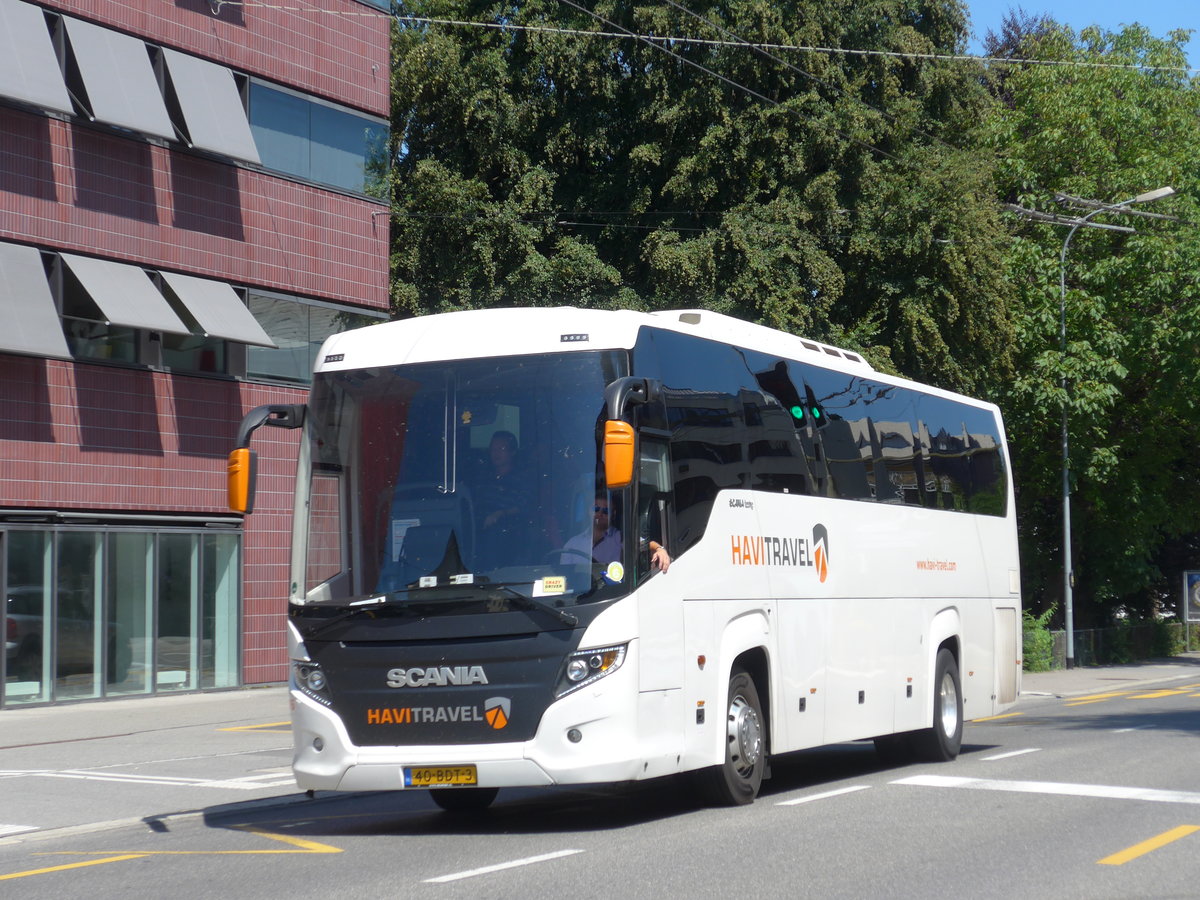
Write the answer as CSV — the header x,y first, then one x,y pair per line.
x,y
78,865
1107,695
6,830
270,727
825,795
1154,843
1001,716
305,846
1155,695
1051,787
243,783
1133,728
1011,754
499,867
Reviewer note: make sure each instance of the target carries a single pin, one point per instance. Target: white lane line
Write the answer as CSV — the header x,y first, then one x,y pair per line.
x,y
6,830
244,783
499,867
1134,728
811,797
1108,792
1011,754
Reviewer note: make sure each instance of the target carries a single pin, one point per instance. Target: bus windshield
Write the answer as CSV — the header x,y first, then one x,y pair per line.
x,y
431,480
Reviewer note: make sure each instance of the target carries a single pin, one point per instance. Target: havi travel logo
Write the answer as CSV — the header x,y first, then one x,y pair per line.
x,y
821,551
496,711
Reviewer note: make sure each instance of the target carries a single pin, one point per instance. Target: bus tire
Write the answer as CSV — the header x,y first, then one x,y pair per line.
x,y
737,780
464,800
942,741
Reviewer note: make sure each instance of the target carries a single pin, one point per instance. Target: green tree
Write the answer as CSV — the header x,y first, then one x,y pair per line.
x,y
1133,313
827,194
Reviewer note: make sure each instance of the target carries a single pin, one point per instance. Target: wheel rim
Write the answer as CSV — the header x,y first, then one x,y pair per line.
x,y
745,736
948,705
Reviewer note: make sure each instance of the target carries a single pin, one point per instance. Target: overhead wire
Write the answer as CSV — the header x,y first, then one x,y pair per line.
x,y
217,5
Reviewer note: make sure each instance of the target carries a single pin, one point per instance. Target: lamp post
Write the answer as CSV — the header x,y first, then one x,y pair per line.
x,y
1068,573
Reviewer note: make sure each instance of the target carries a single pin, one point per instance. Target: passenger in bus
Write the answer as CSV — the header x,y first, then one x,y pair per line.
x,y
505,499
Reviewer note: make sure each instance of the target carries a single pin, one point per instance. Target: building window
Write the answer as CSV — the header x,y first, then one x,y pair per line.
x,y
319,141
109,612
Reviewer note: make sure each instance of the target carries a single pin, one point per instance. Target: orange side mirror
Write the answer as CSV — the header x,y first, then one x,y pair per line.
x,y
243,463
618,453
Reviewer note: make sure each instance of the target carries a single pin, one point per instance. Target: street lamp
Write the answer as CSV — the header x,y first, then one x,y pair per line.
x,y
1068,574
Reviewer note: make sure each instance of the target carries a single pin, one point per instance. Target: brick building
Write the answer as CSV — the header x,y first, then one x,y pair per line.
x,y
187,208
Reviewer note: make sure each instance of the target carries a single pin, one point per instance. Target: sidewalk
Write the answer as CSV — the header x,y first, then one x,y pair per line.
x,y
87,766
1099,679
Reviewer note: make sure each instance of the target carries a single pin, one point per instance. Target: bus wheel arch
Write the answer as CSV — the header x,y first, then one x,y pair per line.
x,y
745,727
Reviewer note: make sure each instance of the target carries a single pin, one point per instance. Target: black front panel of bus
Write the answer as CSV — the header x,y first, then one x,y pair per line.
x,y
471,691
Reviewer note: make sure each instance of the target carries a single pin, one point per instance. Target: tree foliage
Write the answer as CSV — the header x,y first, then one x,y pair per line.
x,y
555,158
1133,311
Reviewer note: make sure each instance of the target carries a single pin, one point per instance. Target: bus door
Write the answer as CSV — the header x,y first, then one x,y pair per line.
x,y
660,609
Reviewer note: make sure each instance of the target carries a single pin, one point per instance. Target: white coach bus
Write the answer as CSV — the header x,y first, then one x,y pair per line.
x,y
478,593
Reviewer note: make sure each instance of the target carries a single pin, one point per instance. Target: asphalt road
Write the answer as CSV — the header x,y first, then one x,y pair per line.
x,y
1089,796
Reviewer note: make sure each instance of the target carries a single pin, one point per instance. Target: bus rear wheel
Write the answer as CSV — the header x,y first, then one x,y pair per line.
x,y
464,799
942,741
737,780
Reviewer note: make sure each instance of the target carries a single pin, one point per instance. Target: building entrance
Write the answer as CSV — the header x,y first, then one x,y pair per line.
x,y
95,612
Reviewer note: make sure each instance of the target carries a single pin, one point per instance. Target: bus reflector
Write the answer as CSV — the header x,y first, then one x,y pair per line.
x,y
618,453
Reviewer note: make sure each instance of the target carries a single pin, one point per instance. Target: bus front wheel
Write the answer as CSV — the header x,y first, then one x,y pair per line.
x,y
737,780
942,741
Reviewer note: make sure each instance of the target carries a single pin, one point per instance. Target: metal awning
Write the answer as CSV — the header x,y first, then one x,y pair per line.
x,y
119,79
212,108
125,294
29,69
218,309
29,323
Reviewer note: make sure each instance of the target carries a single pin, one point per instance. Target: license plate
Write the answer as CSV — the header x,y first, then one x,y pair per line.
x,y
439,776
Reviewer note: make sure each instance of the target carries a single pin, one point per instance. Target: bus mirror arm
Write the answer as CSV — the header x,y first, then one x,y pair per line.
x,y
628,391
620,446
277,415
242,470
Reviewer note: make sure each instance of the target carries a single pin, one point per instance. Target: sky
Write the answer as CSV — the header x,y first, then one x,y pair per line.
x,y
1160,16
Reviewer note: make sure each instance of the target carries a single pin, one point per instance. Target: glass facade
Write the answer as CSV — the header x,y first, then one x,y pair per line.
x,y
298,329
93,613
318,141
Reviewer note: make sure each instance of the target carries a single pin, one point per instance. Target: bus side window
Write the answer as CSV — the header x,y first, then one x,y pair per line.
x,y
653,502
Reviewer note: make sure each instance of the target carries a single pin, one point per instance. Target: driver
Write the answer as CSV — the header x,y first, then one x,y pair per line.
x,y
601,542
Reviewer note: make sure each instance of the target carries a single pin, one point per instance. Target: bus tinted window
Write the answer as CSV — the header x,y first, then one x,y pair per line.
x,y
742,418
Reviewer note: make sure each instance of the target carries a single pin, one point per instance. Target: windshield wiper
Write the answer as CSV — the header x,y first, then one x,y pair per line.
x,y
532,603
354,607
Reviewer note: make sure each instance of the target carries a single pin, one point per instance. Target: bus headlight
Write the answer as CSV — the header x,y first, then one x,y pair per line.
x,y
587,666
309,679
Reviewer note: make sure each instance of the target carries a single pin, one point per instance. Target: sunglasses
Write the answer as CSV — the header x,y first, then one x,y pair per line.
x,y
603,509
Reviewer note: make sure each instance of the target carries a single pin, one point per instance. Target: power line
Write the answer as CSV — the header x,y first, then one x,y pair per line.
x,y
629,35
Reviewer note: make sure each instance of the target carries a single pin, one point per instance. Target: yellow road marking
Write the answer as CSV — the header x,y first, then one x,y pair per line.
x,y
1157,694
1108,695
1167,837
307,846
78,865
994,718
266,726
304,845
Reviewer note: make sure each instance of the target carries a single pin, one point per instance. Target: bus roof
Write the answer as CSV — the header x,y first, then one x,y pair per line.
x,y
473,334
